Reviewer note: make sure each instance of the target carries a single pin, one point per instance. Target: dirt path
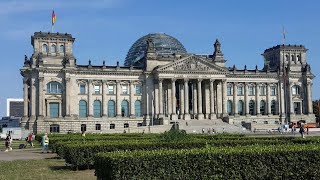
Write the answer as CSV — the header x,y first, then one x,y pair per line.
x,y
24,154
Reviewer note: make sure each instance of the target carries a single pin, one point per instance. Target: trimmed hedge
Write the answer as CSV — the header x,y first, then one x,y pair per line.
x,y
243,162
82,155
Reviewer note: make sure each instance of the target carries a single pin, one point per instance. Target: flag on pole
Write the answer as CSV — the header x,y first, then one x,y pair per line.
x,y
54,18
284,35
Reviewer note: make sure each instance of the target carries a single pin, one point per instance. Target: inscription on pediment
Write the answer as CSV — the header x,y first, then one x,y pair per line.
x,y
193,65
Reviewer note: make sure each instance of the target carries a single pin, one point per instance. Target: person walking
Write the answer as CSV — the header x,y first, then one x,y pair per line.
x,y
301,131
45,143
29,139
8,143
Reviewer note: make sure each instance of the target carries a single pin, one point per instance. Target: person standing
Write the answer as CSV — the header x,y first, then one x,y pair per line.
x,y
301,131
29,139
45,143
8,142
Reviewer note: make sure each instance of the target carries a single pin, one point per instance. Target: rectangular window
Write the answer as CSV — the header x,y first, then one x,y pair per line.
x,y
98,127
138,89
251,91
125,89
111,89
54,110
262,90
97,89
273,91
229,90
240,91
82,89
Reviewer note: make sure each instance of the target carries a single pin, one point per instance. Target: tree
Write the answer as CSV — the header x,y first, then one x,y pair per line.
x,y
316,109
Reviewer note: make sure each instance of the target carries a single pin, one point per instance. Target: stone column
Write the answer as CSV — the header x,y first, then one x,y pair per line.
x,y
186,100
160,98
281,100
132,113
219,104
33,98
246,100
156,100
206,100
195,99
24,120
60,109
25,97
235,99
309,89
174,99
90,99
181,100
224,98
118,101
67,92
290,99
257,100
104,99
169,100
268,99
200,113
212,114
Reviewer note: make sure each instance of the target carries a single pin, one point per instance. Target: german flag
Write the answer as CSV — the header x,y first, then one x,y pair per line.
x,y
54,18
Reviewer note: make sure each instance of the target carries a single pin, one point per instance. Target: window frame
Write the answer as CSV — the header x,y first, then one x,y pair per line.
x,y
111,89
125,89
82,89
138,89
97,87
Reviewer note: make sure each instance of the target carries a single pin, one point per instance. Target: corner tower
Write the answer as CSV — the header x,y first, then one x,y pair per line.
x,y
52,49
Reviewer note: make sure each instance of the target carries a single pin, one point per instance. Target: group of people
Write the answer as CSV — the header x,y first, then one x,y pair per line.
x,y
29,138
209,130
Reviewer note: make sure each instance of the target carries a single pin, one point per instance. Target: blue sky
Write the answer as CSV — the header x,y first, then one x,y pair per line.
x,y
105,30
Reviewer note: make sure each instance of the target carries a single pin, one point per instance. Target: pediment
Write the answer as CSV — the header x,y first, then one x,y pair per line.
x,y
192,64
54,97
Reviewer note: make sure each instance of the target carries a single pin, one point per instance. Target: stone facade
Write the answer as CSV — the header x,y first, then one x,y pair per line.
x,y
60,95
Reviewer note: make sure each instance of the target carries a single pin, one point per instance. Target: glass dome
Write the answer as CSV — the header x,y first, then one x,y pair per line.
x,y
164,45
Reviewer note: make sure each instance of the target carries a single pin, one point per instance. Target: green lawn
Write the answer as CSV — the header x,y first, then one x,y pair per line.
x,y
16,143
45,169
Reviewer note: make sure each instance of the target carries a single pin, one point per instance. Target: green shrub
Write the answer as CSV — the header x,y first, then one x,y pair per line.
x,y
82,154
243,162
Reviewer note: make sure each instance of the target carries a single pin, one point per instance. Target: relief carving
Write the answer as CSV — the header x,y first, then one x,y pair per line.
x,y
193,65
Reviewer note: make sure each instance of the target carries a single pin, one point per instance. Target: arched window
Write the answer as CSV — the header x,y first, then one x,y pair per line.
x,y
61,50
54,87
53,48
295,90
111,109
262,107
240,107
44,48
96,109
125,108
54,128
251,107
229,107
273,107
137,108
83,109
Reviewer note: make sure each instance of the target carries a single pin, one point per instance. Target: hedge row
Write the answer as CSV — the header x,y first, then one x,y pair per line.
x,y
243,162
82,155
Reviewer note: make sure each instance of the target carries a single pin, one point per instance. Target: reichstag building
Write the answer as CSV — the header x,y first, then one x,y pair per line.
x,y
160,83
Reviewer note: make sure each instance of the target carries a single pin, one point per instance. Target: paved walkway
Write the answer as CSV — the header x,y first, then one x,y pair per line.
x,y
24,154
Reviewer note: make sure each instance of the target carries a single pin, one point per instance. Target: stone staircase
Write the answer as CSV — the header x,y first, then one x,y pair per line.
x,y
196,126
